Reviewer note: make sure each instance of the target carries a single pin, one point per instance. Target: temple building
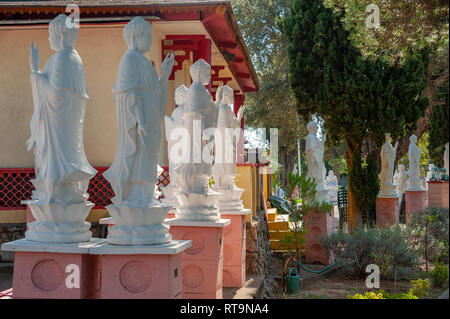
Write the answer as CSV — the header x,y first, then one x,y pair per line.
x,y
193,29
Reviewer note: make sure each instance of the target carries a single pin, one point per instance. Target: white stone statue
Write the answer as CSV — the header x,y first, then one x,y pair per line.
x,y
141,97
197,201
446,160
331,184
59,203
430,174
314,155
388,153
173,122
400,179
226,139
414,181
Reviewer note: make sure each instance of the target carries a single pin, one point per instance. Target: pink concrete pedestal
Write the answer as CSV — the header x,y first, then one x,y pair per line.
x,y
388,211
438,194
202,264
55,271
234,249
318,225
141,272
414,203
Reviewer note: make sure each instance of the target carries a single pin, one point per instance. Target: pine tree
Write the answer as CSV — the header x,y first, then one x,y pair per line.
x,y
357,96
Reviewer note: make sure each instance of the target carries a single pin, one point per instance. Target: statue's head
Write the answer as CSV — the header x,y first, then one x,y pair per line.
x,y
61,34
331,173
413,139
181,94
138,35
401,167
312,127
228,95
201,72
387,137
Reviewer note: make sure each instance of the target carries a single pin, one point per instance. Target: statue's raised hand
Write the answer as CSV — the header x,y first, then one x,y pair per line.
x,y
167,65
219,94
34,57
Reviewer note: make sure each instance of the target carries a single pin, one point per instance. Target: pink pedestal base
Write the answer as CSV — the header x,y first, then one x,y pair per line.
x,y
317,225
140,276
202,264
414,203
234,250
54,271
388,211
438,194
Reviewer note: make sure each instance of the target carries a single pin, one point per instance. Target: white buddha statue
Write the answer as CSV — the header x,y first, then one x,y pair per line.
x,y
414,181
59,203
388,153
226,139
174,122
331,183
141,97
197,201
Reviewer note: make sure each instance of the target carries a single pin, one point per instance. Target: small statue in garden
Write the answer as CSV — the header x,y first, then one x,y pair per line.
x,y
388,153
331,181
400,179
431,168
314,156
414,181
59,202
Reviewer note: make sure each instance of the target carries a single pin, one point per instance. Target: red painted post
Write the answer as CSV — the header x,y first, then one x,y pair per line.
x,y
204,52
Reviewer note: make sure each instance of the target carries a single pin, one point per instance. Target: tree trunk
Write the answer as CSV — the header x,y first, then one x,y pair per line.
x,y
353,209
287,160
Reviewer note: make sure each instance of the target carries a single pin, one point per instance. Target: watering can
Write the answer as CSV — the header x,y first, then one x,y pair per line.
x,y
292,281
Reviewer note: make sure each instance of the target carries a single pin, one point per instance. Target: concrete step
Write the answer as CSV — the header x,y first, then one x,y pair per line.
x,y
276,244
278,225
281,234
271,214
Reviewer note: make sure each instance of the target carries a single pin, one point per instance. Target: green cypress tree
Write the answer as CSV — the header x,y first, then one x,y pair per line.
x,y
439,130
358,97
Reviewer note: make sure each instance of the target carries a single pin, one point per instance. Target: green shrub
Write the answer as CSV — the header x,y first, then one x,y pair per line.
x,y
439,275
384,247
419,288
428,234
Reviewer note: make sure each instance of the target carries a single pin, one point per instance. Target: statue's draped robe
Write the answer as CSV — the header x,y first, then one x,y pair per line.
x,y
225,166
173,122
59,96
414,160
387,163
314,156
139,95
199,107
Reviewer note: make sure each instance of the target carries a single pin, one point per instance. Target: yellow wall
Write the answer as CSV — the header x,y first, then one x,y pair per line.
x,y
101,48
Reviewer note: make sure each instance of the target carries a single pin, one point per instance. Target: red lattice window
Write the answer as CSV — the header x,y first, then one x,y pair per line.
x,y
16,186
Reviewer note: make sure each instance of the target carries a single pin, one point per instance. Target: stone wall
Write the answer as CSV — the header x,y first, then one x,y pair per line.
x,y
258,245
10,232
